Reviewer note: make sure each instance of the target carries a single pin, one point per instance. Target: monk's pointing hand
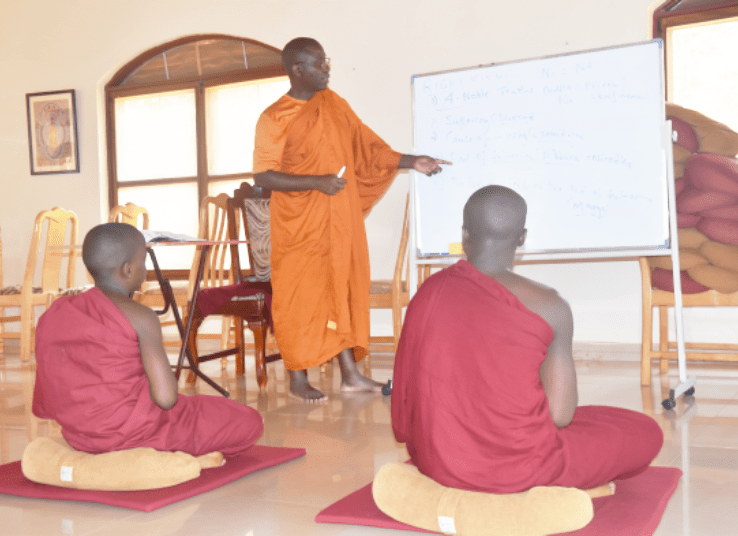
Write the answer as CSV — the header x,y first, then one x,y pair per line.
x,y
330,184
428,165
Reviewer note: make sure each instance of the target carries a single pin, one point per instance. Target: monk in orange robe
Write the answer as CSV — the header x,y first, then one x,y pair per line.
x,y
326,169
102,372
485,393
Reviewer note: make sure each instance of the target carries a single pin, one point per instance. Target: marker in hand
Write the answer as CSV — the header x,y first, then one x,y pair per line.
x,y
340,173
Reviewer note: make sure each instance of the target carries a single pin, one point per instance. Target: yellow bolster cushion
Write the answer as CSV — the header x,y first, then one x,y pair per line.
x,y
54,462
690,237
714,277
405,494
688,257
723,255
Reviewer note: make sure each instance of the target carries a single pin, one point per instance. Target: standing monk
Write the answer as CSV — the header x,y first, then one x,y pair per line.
x,y
326,169
485,390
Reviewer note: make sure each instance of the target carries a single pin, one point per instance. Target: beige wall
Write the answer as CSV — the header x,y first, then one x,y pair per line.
x,y
375,47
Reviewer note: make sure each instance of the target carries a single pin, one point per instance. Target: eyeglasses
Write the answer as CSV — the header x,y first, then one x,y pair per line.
x,y
326,64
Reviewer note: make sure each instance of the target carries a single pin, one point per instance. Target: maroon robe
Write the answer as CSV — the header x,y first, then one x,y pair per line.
x,y
468,401
91,380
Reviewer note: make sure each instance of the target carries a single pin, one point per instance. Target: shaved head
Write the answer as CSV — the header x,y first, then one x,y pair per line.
x,y
494,227
292,50
495,212
108,246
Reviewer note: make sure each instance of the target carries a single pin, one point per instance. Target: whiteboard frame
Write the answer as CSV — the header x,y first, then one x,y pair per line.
x,y
415,260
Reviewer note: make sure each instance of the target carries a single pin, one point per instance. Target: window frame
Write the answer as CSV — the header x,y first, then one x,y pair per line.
x,y
114,90
669,15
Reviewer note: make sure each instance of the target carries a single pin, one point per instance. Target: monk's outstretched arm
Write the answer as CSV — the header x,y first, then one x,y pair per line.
x,y
557,372
162,383
423,164
285,182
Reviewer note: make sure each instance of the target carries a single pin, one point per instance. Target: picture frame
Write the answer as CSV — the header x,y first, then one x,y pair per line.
x,y
52,132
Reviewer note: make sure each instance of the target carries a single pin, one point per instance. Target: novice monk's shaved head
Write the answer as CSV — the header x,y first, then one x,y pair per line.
x,y
494,221
495,212
108,246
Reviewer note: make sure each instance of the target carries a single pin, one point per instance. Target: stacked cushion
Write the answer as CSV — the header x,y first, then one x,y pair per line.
x,y
706,184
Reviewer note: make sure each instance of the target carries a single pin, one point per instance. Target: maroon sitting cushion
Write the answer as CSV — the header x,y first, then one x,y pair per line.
x,y
725,213
686,136
664,280
712,172
679,186
687,221
719,230
693,201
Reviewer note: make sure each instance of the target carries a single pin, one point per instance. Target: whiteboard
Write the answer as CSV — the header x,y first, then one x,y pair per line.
x,y
579,136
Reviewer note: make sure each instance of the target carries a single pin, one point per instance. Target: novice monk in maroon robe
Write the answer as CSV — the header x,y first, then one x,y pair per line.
x,y
102,372
484,390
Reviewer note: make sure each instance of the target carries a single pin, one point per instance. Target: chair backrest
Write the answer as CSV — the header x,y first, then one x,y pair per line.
x,y
402,264
1,261
130,213
214,227
253,204
59,229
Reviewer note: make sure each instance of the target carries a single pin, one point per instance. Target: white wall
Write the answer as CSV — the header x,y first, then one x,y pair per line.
x,y
375,47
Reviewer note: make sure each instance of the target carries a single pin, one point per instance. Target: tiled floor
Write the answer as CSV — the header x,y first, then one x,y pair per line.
x,y
349,438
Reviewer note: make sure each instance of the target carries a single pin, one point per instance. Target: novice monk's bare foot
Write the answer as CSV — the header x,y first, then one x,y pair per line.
x,y
211,459
301,389
604,490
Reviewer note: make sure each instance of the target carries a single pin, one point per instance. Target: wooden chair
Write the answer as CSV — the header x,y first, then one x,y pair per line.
x,y
393,293
653,297
130,213
4,334
224,288
54,239
150,293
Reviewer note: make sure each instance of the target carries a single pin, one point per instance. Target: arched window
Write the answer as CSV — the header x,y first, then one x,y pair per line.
x,y
180,124
701,37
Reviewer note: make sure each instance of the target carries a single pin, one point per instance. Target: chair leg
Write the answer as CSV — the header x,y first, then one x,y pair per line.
x,y
664,338
396,321
192,345
259,330
26,332
646,342
240,346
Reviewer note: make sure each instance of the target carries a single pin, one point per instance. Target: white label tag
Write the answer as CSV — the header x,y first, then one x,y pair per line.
x,y
446,524
67,526
66,473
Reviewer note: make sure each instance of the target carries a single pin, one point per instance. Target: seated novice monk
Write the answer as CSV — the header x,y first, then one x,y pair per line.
x,y
102,372
484,391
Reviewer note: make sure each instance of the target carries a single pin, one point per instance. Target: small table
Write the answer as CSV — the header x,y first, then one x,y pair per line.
x,y
169,301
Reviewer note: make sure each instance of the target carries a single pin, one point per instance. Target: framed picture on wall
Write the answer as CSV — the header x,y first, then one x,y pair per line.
x,y
52,132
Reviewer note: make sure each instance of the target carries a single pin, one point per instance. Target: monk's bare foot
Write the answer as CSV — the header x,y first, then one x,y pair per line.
x,y
360,384
301,389
353,381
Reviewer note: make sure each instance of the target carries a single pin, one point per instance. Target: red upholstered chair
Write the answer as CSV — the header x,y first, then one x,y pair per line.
x,y
225,290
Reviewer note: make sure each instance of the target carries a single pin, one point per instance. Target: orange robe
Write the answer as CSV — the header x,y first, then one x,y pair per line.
x,y
320,258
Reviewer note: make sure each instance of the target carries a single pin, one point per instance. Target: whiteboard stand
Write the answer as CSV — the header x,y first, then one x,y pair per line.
x,y
686,385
